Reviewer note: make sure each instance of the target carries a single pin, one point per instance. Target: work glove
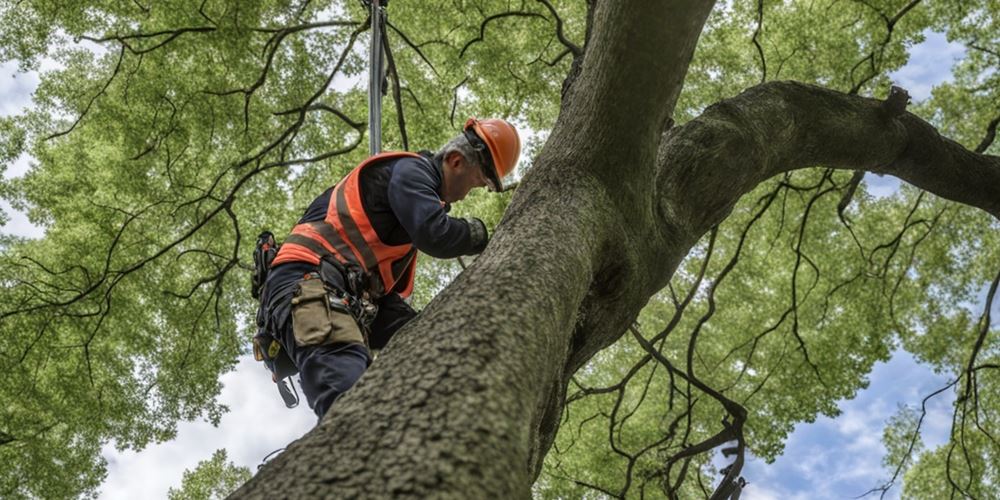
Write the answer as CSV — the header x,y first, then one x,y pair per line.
x,y
477,234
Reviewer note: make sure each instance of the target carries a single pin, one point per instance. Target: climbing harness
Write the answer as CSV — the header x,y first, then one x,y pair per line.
x,y
355,298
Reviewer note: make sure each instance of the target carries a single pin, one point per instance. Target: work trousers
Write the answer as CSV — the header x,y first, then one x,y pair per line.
x,y
327,371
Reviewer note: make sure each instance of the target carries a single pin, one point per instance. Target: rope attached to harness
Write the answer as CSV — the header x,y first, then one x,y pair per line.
x,y
376,74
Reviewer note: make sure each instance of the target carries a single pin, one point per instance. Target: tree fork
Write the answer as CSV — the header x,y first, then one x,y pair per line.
x,y
588,238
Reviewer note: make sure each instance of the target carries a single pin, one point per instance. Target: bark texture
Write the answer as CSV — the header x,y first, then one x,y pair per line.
x,y
465,402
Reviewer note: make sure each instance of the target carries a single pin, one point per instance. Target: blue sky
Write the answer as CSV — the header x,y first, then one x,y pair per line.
x,y
842,457
830,458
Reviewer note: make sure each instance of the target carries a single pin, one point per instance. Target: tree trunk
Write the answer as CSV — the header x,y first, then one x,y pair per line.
x,y
465,401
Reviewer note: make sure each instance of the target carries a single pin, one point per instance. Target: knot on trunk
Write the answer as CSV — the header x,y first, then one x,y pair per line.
x,y
895,104
610,282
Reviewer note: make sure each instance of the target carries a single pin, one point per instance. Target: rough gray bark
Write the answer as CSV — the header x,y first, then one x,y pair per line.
x,y
465,401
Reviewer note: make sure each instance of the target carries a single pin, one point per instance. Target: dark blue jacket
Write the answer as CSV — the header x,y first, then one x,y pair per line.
x,y
402,200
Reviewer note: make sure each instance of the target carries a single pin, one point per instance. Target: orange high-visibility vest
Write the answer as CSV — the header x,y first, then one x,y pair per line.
x,y
347,234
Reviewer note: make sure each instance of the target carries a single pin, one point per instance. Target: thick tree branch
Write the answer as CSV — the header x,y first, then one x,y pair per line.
x,y
708,163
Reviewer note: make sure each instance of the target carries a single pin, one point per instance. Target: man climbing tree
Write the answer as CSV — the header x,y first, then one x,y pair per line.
x,y
338,282
690,216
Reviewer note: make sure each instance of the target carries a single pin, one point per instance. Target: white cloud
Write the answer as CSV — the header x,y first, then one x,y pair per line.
x,y
754,491
16,88
842,457
881,186
257,424
18,225
929,65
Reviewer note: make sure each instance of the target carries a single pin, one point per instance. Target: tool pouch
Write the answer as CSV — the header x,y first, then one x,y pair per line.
x,y
321,316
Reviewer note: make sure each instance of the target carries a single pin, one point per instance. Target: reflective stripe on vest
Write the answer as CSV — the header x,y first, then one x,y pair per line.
x,y
346,234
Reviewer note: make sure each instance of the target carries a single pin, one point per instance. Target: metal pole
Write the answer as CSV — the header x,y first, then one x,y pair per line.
x,y
375,81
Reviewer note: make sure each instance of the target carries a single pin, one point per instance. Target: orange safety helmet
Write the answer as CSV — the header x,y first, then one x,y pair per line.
x,y
500,138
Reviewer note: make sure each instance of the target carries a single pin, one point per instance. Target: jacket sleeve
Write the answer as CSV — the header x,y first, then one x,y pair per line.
x,y
414,200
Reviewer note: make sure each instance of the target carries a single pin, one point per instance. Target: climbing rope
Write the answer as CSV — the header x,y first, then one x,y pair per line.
x,y
376,74
268,457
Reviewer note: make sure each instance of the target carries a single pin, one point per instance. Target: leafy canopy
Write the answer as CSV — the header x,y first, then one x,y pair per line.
x,y
169,134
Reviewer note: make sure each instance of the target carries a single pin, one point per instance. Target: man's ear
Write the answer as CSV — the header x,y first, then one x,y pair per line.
x,y
453,159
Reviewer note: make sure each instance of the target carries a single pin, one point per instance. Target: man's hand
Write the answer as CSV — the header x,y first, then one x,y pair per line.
x,y
478,234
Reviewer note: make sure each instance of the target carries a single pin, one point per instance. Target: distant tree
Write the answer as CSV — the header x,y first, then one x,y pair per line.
x,y
214,478
691,257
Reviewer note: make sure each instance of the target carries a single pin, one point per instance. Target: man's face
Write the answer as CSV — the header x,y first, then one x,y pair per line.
x,y
460,177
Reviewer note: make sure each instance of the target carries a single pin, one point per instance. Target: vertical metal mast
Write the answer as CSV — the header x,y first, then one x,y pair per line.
x,y
375,80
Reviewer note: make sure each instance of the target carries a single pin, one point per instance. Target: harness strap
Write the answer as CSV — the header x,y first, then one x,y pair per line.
x,y
400,265
329,233
354,235
314,246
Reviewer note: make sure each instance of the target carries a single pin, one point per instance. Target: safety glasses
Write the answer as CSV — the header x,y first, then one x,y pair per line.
x,y
485,159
